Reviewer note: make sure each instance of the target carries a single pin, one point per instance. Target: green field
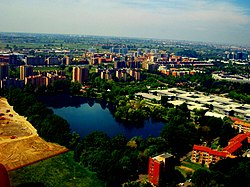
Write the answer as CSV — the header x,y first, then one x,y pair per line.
x,y
58,171
44,68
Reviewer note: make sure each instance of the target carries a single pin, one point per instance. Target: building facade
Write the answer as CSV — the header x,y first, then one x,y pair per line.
x,y
80,74
158,167
205,155
4,71
26,71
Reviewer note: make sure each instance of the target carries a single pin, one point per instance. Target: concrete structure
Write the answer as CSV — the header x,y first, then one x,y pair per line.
x,y
66,60
121,75
106,74
4,58
26,71
205,155
220,104
231,78
80,74
148,96
136,74
119,50
242,126
35,61
11,82
51,61
4,70
158,167
216,115
120,64
41,80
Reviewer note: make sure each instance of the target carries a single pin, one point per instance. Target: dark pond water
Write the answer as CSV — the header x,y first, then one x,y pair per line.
x,y
87,115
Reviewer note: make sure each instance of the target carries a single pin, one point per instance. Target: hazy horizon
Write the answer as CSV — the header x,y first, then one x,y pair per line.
x,y
221,21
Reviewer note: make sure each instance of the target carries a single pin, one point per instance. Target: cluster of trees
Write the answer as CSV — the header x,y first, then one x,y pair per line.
x,y
131,111
227,172
179,133
117,160
210,128
243,97
58,87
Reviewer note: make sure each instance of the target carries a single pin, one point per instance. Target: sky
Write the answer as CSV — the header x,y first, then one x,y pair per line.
x,y
220,21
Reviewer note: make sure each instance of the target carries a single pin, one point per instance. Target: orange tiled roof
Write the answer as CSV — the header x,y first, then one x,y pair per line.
x,y
242,123
238,138
218,153
210,151
201,148
234,119
232,147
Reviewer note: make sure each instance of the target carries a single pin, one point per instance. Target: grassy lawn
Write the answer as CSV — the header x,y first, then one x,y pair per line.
x,y
44,68
58,171
187,168
192,165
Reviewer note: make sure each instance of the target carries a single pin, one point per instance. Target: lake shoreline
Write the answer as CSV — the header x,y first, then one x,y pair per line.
x,y
97,115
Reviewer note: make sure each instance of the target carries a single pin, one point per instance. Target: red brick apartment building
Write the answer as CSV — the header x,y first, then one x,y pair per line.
x,y
158,166
205,155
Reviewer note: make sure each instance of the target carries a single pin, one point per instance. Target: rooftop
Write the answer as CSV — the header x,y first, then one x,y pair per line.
x,y
231,148
162,157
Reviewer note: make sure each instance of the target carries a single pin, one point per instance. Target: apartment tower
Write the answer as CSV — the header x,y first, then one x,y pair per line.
x,y
26,71
80,74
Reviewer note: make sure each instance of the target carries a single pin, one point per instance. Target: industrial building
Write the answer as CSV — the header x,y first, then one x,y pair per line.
x,y
201,100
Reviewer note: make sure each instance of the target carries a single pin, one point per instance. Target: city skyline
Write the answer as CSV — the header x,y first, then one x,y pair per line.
x,y
195,20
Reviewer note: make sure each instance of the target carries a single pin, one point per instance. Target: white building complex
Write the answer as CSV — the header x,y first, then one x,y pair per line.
x,y
199,100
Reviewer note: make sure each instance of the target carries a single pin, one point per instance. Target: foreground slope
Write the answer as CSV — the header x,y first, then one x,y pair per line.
x,y
20,144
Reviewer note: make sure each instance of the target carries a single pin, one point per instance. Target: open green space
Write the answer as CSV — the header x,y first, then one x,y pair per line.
x,y
58,171
192,165
43,68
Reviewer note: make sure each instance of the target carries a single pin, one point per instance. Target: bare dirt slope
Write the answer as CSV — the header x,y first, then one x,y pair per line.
x,y
20,144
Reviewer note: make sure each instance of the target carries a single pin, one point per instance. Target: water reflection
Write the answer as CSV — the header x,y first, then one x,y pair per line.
x,y
87,115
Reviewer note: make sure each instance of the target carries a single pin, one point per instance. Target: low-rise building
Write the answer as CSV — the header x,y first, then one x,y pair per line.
x,y
242,126
205,155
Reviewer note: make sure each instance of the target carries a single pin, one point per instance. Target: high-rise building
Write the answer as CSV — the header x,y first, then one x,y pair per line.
x,y
53,61
4,70
119,50
66,60
25,71
80,74
119,64
159,166
106,74
136,74
121,74
35,61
